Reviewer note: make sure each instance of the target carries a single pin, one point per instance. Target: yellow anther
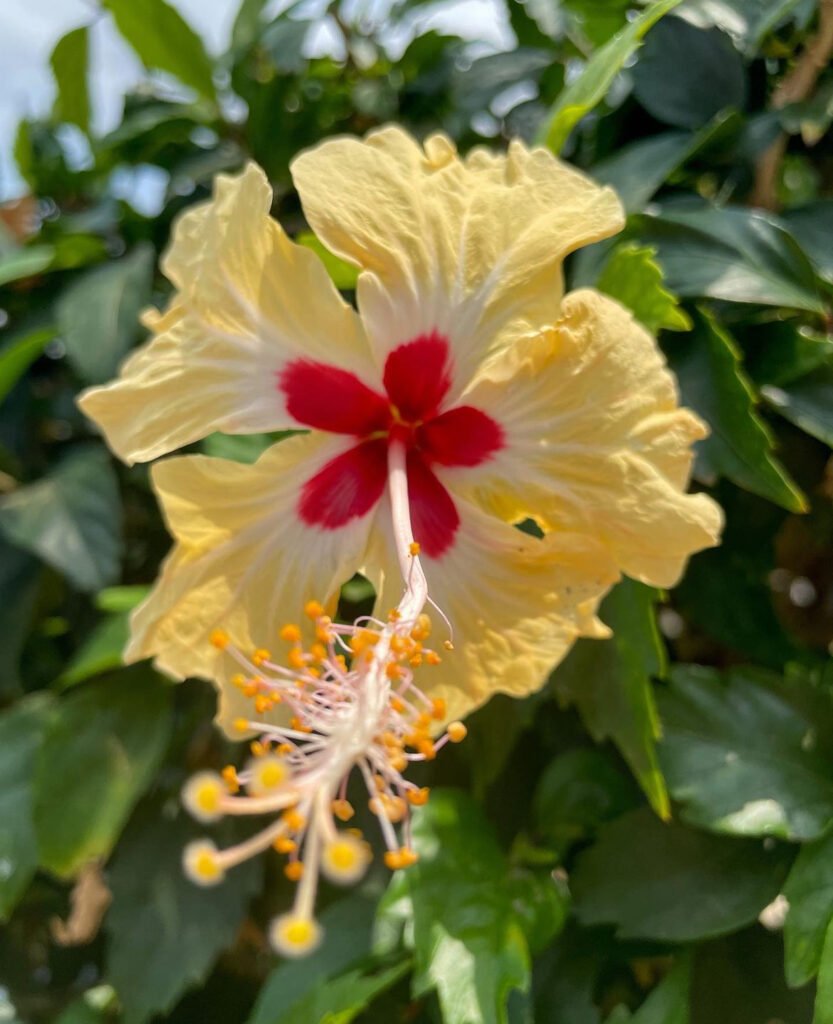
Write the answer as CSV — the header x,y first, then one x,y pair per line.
x,y
399,763
266,774
313,609
393,671
439,709
343,810
202,796
397,705
263,704
394,615
294,870
296,724
283,844
283,749
290,633
241,725
457,732
414,548
426,748
201,863
294,936
261,656
238,680
219,638
423,720
408,856
393,859
319,652
293,820
345,859
422,629
415,660
296,658
257,748
418,797
250,689
229,774
432,658
448,645
323,633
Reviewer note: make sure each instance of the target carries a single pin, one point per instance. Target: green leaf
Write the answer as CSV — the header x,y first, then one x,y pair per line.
x,y
806,402
812,227
654,880
731,254
686,75
69,62
102,746
247,25
633,277
638,170
609,681
824,989
465,933
164,40
165,932
740,447
344,997
668,1003
71,518
343,274
591,86
20,576
809,892
21,729
27,262
121,599
741,759
348,926
98,314
101,652
18,354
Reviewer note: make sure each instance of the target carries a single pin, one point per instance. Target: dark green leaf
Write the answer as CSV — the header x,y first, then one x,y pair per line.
x,y
609,681
812,226
741,759
164,40
247,25
654,880
465,932
343,997
668,1003
739,447
102,745
632,277
591,86
809,892
165,932
71,519
806,402
69,66
19,578
21,729
731,254
101,651
98,315
18,354
686,75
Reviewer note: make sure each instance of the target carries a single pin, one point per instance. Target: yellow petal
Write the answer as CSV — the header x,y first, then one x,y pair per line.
x,y
516,604
244,560
596,442
248,300
471,248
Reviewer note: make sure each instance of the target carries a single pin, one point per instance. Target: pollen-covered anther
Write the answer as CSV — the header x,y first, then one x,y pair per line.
x,y
418,797
202,796
266,774
414,548
229,774
457,732
344,860
439,709
314,610
261,656
292,935
201,863
290,633
402,858
294,871
294,820
219,638
343,810
283,844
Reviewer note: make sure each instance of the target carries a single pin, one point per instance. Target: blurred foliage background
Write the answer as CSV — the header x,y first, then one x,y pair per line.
x,y
550,890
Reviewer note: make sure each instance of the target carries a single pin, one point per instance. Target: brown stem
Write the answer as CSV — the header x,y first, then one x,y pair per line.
x,y
795,87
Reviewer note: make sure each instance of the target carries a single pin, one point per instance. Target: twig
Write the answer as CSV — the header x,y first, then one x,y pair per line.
x,y
795,87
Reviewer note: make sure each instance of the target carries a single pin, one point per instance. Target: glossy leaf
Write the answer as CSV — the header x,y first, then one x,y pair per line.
x,y
806,402
100,750
165,932
609,681
632,277
101,652
741,759
811,226
686,75
343,998
809,892
98,315
591,86
20,575
740,447
71,519
18,354
655,880
69,62
21,730
164,40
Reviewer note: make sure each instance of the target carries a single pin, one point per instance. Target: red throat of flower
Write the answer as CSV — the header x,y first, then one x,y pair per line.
x,y
416,379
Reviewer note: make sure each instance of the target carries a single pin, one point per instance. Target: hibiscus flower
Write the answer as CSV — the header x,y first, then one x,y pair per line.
x,y
466,394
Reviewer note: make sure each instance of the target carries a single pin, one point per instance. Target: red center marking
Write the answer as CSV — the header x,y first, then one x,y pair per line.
x,y
417,378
